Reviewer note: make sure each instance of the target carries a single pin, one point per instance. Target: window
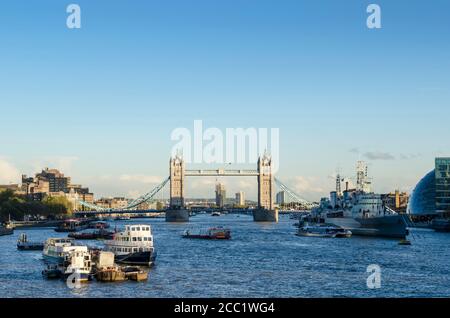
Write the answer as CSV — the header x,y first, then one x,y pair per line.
x,y
134,239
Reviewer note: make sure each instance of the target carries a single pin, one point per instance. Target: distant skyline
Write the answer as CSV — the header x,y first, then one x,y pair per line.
x,y
100,103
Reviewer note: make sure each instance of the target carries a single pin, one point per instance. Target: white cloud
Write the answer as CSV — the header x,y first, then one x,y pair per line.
x,y
134,193
378,155
409,156
306,184
8,173
62,163
140,178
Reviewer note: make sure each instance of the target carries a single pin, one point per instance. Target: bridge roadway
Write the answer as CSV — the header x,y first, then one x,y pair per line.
x,y
82,213
221,172
193,209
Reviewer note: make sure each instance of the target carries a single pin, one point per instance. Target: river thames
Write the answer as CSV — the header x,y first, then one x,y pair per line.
x,y
261,260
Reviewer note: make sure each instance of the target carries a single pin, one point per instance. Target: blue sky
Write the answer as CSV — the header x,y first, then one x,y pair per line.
x,y
101,102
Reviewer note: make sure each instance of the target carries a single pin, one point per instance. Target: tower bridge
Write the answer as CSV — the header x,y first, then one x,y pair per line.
x,y
178,173
177,211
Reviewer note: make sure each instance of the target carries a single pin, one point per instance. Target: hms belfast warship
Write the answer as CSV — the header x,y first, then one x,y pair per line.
x,y
360,210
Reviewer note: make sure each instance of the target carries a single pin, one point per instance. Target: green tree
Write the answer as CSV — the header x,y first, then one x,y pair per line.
x,y
17,206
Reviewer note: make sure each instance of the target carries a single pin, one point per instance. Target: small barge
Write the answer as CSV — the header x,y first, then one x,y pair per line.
x,y
24,245
95,235
99,225
323,230
72,225
213,233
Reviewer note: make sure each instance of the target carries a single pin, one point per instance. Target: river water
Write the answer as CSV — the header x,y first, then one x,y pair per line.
x,y
261,260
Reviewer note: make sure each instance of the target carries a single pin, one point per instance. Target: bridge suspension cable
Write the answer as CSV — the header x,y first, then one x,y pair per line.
x,y
143,198
293,195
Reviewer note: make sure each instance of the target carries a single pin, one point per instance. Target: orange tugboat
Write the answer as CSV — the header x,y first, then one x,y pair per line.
x,y
213,233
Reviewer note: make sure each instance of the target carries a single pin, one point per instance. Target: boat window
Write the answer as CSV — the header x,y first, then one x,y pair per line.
x,y
140,239
149,238
145,239
138,229
134,239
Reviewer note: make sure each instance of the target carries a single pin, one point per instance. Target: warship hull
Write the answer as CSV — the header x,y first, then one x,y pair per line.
x,y
384,226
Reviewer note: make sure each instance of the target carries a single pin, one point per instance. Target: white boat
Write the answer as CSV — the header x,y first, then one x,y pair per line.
x,y
56,249
78,265
215,213
323,230
134,246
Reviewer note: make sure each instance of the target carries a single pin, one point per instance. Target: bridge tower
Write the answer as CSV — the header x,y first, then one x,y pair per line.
x,y
265,211
176,182
265,183
177,211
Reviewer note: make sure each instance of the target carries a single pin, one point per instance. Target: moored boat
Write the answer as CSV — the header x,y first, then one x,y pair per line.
x,y
99,225
6,230
135,273
213,233
24,245
110,274
134,246
56,249
77,266
52,272
323,230
72,225
215,213
95,235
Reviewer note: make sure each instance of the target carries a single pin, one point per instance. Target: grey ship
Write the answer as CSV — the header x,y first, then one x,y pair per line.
x,y
361,211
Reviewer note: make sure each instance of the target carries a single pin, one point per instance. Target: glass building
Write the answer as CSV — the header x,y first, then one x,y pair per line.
x,y
423,197
442,175
432,194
